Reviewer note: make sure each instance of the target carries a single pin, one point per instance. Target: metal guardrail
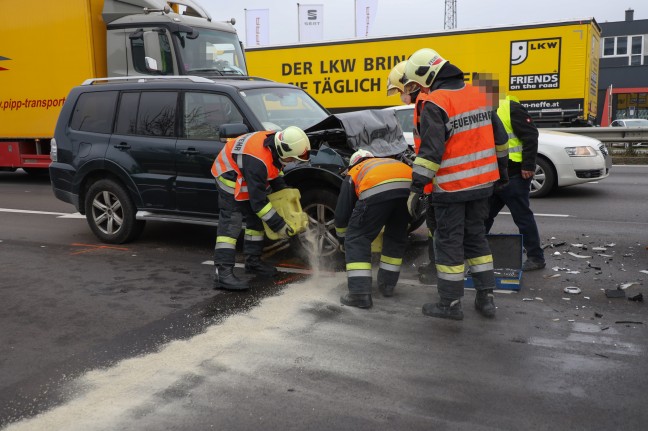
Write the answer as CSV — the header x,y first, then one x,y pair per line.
x,y
608,134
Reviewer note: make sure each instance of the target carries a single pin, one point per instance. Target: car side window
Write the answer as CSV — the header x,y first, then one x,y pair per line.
x,y
127,114
156,113
615,124
94,112
204,113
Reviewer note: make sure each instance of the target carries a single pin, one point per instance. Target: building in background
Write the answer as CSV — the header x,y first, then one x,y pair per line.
x,y
623,70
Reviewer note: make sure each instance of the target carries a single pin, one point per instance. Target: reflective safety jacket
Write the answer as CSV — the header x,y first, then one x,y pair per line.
x,y
514,143
373,180
251,158
467,150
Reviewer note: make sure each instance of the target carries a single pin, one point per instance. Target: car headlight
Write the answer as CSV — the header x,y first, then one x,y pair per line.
x,y
585,151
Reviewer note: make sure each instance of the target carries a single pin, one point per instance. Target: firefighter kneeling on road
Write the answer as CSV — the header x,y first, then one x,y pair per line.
x,y
245,169
373,195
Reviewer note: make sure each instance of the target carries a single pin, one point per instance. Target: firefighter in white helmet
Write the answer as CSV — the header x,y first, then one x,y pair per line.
x,y
244,169
463,153
395,85
372,196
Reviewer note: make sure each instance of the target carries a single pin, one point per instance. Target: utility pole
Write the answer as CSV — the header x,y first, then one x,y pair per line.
x,y
450,20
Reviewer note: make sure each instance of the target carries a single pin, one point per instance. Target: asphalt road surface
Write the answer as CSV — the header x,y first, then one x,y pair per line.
x,y
133,337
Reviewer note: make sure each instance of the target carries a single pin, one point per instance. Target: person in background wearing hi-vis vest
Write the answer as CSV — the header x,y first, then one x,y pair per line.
x,y
245,169
427,272
464,153
373,195
523,149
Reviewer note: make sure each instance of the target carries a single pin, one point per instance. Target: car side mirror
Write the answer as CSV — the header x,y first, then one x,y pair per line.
x,y
232,130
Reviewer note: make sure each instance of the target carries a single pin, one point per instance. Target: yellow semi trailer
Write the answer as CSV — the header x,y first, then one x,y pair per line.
x,y
551,67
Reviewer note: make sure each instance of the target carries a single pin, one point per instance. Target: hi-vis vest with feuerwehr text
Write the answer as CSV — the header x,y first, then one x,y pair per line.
x,y
231,159
380,175
469,160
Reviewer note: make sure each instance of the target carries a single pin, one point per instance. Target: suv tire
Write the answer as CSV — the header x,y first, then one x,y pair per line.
x,y
110,212
319,204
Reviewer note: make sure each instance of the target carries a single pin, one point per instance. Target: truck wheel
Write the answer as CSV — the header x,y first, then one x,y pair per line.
x,y
544,179
319,205
111,213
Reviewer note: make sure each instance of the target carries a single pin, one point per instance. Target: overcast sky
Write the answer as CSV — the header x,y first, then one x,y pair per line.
x,y
396,17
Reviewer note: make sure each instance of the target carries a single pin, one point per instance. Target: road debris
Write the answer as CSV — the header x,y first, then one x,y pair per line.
x,y
552,276
612,244
629,322
589,264
644,271
624,286
614,293
599,248
601,355
636,298
573,290
597,314
580,256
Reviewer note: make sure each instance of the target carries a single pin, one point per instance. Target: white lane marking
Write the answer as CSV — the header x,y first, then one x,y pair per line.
x,y
541,215
59,215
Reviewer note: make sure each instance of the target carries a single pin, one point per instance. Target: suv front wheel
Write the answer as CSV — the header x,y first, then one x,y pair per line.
x,y
111,213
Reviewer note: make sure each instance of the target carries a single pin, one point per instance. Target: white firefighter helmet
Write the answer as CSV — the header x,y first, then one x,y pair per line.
x,y
359,155
292,142
394,84
421,68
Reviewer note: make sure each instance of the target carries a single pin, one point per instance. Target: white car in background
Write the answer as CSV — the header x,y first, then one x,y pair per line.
x,y
564,159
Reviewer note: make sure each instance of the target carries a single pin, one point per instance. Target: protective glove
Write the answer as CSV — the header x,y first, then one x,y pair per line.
x,y
413,204
285,232
341,248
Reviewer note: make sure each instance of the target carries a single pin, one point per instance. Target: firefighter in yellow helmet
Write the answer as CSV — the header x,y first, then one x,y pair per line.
x,y
372,196
463,154
244,170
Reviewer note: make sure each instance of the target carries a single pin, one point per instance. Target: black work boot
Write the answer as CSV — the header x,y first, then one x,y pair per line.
x,y
484,302
427,273
254,265
356,300
385,290
224,278
444,309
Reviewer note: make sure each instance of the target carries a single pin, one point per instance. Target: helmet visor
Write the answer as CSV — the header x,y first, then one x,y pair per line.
x,y
283,150
411,87
392,91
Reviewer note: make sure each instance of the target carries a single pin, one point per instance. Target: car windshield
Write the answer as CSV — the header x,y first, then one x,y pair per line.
x,y
278,108
211,53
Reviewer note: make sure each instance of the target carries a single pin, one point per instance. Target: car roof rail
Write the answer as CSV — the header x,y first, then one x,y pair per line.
x,y
93,81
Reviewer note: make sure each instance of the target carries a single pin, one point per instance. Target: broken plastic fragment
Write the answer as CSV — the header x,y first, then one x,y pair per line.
x,y
527,299
577,245
599,249
552,275
540,299
567,299
644,271
572,290
580,256
612,244
624,286
636,298
605,255
573,272
593,267
614,293
557,253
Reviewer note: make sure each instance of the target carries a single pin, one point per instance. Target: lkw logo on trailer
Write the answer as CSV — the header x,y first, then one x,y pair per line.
x,y
535,64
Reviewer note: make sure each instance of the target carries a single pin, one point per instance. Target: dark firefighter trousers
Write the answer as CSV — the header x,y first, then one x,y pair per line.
x,y
461,234
364,226
230,224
